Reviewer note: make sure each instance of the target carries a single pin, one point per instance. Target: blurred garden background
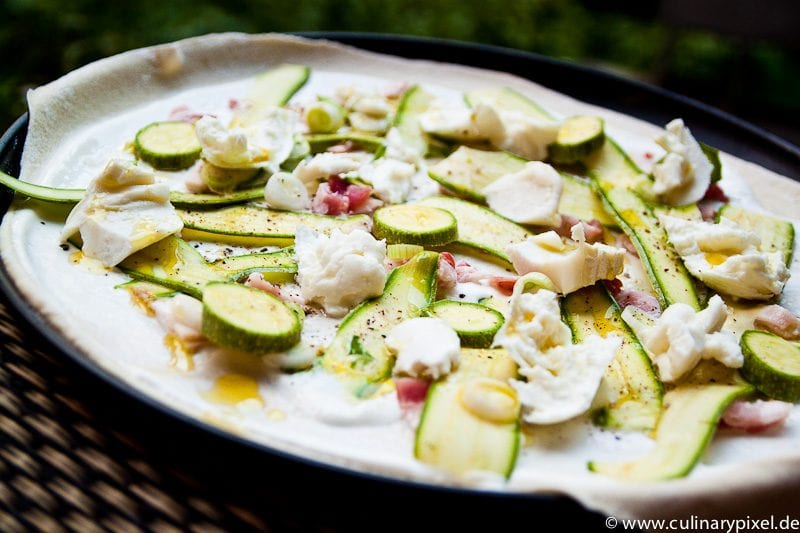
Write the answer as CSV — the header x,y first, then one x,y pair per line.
x,y
740,55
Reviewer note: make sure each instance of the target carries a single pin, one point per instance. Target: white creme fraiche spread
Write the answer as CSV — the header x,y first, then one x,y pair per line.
x,y
123,211
341,270
561,378
726,257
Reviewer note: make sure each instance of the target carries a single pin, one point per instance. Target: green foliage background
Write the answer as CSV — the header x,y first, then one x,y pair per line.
x,y
42,39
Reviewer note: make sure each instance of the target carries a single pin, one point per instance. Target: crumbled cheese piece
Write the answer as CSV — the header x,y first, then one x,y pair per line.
x,y
285,191
681,337
390,179
516,132
685,173
266,143
452,120
323,165
569,264
529,196
339,271
506,130
123,211
398,148
425,347
726,257
561,378
369,111
180,315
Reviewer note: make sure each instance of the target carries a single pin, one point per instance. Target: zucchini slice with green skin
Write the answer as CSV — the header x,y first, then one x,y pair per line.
x,y
616,177
713,157
772,364
276,267
174,263
467,171
319,142
73,196
401,252
684,431
480,229
249,320
470,420
225,180
776,235
580,200
274,87
414,224
143,293
630,379
578,137
171,145
251,225
40,192
406,120
358,353
185,199
508,99
475,324
496,304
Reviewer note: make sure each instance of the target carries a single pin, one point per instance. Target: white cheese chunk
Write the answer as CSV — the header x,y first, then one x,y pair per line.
x,y
285,191
390,178
180,315
561,378
506,130
515,132
369,111
123,211
681,337
339,271
569,264
685,173
266,143
451,120
529,196
726,257
425,347
324,165
398,148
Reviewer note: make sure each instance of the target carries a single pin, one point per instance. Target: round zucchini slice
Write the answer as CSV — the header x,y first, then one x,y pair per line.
x,y
168,145
772,364
577,138
248,319
475,324
415,224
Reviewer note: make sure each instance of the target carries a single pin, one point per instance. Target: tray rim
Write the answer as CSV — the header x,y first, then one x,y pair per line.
x,y
11,147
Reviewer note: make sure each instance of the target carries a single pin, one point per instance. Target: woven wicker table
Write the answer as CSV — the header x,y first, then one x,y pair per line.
x,y
66,464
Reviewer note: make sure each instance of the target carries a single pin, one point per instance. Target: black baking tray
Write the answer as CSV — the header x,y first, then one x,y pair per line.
x,y
262,478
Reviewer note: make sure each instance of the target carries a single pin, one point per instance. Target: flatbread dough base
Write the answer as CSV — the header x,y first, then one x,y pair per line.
x,y
757,488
